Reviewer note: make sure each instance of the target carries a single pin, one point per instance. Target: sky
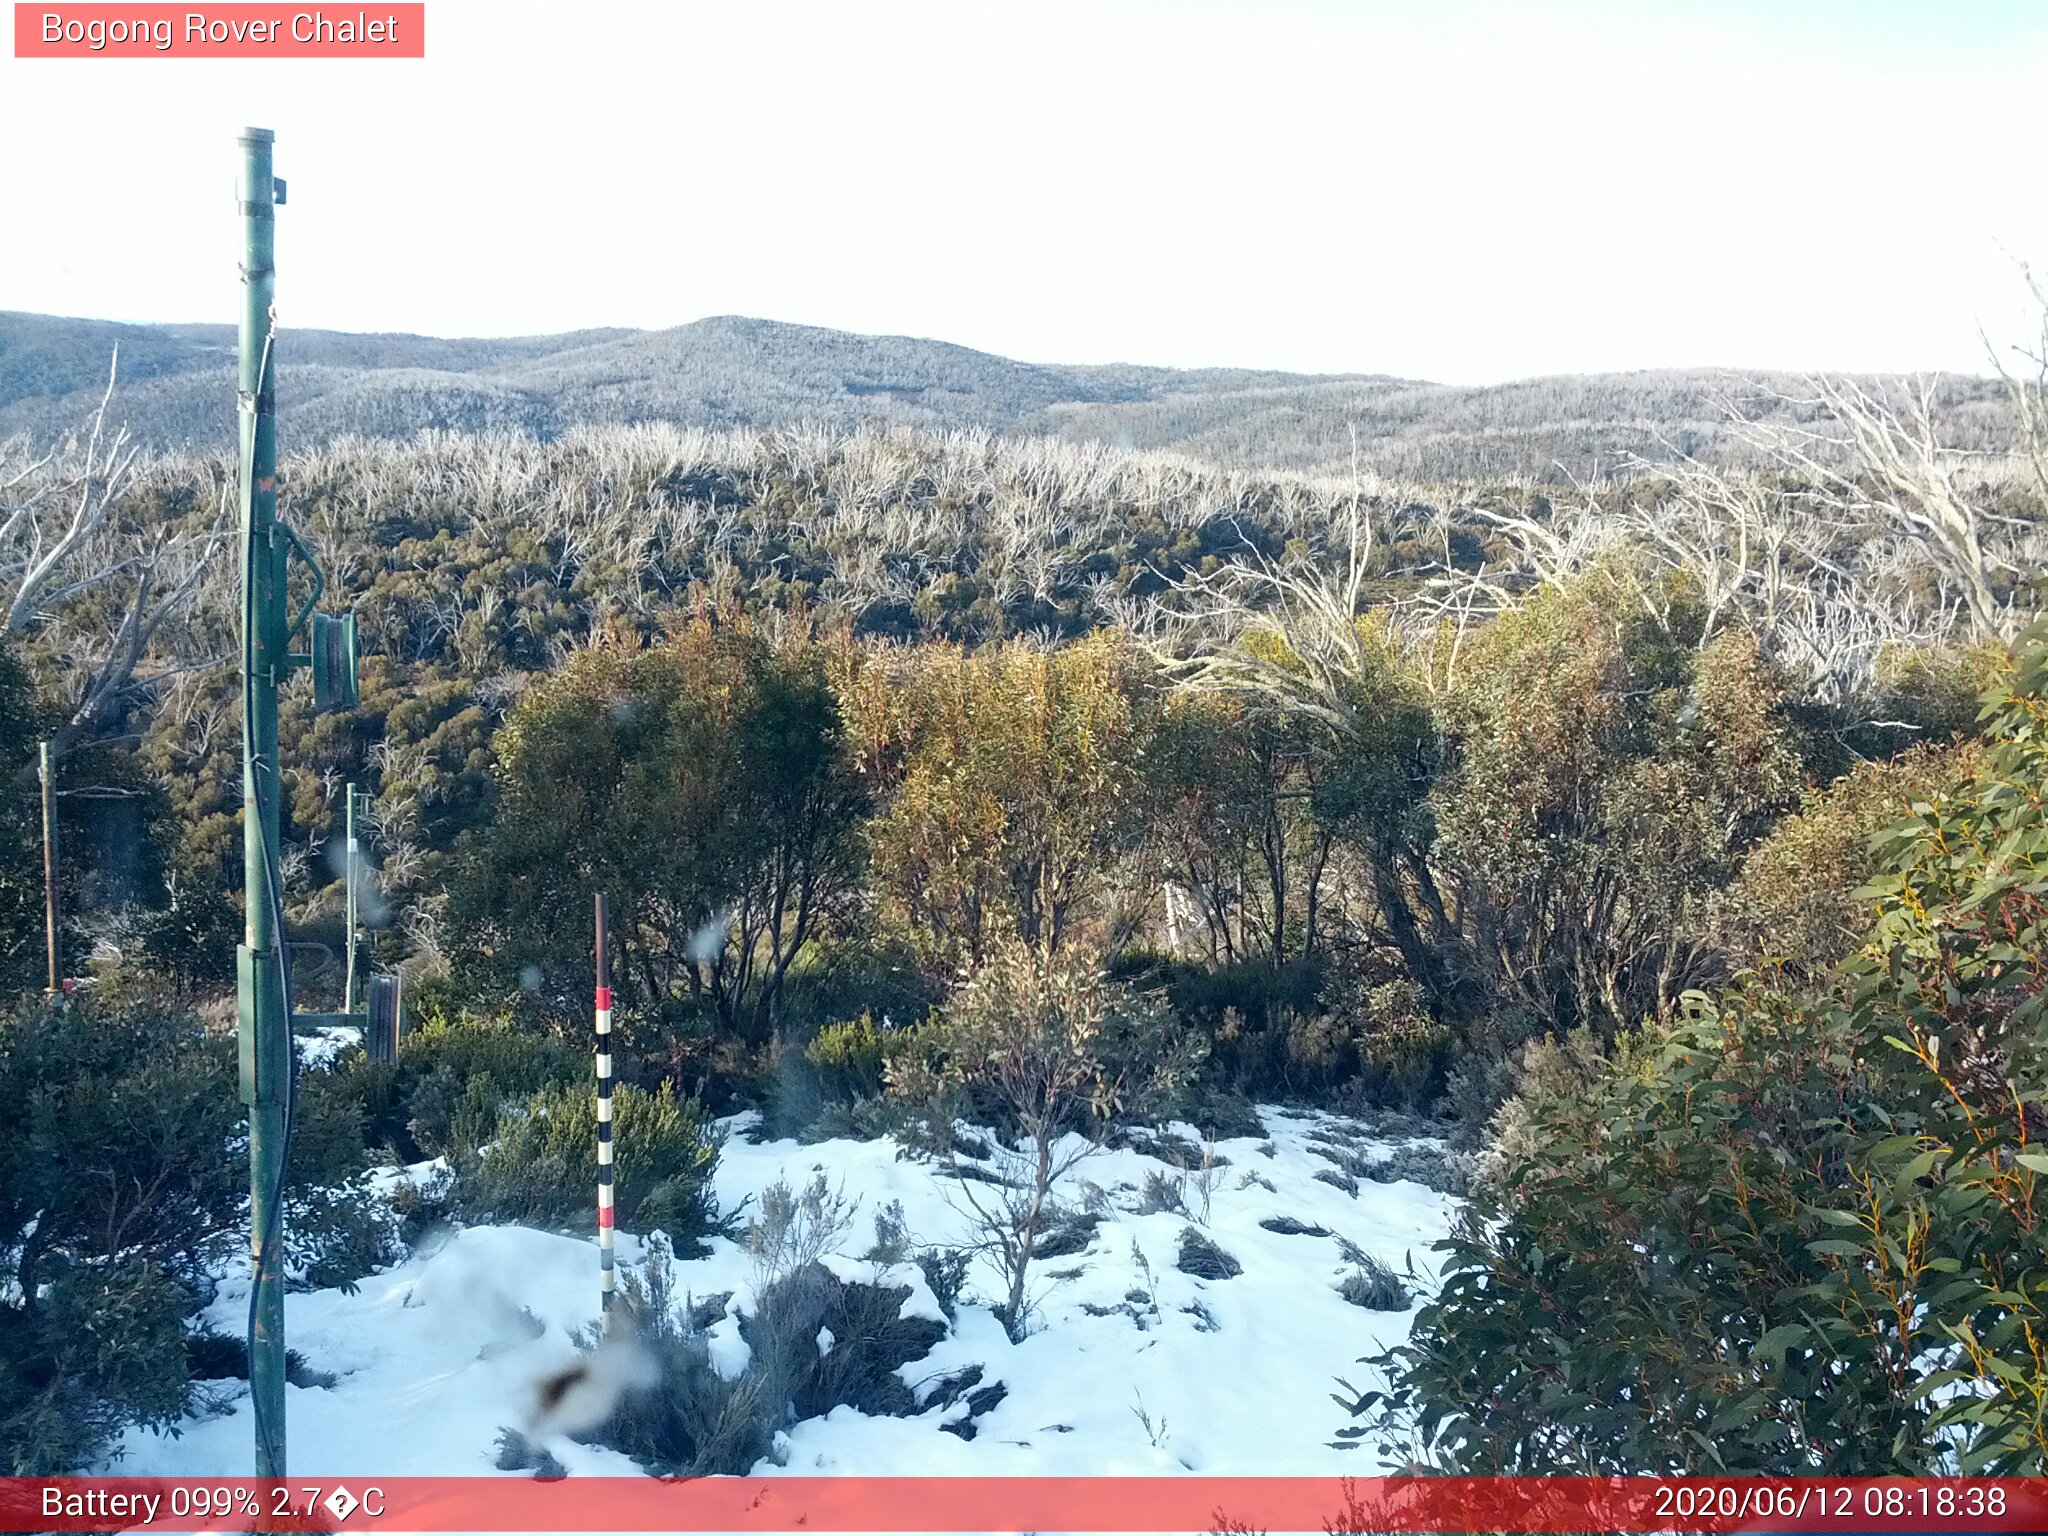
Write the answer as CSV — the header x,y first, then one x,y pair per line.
x,y
1463,190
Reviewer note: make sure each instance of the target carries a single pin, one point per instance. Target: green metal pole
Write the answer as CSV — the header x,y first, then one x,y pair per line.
x,y
265,1029
351,872
50,868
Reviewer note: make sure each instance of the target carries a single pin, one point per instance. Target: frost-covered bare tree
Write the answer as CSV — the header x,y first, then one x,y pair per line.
x,y
1877,459
1282,635
1863,534
82,576
2025,374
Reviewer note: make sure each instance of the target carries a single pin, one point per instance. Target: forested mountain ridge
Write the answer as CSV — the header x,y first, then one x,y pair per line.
x,y
728,372
723,371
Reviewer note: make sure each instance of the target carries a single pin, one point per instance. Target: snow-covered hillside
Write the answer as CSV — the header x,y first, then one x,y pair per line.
x,y
1133,1366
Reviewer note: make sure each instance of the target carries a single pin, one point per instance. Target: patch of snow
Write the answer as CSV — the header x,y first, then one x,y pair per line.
x,y
1131,1366
318,1047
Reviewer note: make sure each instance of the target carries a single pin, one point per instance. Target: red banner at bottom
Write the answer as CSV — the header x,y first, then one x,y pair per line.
x,y
1020,1504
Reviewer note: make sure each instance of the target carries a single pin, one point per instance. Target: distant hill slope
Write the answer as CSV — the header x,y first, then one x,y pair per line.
x,y
177,391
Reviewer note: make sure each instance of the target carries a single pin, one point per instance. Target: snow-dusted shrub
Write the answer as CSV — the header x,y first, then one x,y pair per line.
x,y
1338,1148
122,1176
1163,1191
819,1341
892,1235
1289,1226
422,1204
1445,1171
1204,1258
517,1454
815,1342
1374,1286
945,1271
790,1230
689,1421
1052,1051
214,1356
542,1168
336,1234
1068,1233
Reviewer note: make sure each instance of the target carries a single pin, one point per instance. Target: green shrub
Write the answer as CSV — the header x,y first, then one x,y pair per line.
x,y
1793,1229
1263,1025
122,1177
853,1058
1796,900
846,978
542,1168
455,1075
1404,1054
104,1347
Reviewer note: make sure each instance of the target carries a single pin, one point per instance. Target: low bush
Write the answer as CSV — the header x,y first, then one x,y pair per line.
x,y
1048,1050
542,1168
1374,1286
794,1228
1162,1191
1263,1026
1202,1257
819,1341
1446,1172
816,1342
853,1058
455,1075
688,1421
122,1178
1404,1055
945,1271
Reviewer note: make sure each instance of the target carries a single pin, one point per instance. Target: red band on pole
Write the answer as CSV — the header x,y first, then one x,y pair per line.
x,y
604,998
604,1216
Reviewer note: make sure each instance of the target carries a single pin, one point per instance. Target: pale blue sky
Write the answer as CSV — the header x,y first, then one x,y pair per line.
x,y
1463,189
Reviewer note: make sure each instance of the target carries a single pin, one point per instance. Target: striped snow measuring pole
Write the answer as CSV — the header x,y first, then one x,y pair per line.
x,y
604,1110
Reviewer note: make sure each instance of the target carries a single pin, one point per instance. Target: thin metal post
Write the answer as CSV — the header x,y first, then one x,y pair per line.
x,y
50,869
265,1027
604,1110
351,872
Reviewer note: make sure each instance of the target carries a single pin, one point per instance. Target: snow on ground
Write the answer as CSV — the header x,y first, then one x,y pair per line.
x,y
1132,1367
320,1045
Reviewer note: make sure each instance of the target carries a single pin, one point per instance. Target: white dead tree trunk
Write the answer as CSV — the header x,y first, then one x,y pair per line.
x,y
72,571
2026,385
1888,467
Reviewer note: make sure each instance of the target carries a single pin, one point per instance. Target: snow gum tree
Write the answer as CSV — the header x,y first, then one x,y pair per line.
x,y
705,785
1009,781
